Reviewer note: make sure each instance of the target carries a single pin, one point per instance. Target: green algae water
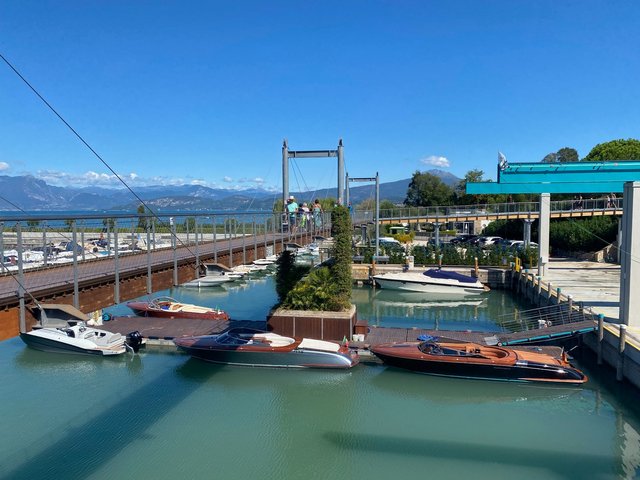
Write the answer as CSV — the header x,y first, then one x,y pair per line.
x,y
163,415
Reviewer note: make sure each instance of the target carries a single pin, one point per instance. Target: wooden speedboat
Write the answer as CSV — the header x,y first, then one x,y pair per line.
x,y
433,280
472,360
168,307
248,347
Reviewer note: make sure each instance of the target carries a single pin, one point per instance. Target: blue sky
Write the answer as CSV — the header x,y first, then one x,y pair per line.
x,y
173,92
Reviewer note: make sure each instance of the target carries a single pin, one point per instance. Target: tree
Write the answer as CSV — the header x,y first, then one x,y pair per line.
x,y
565,154
427,190
142,221
614,150
387,205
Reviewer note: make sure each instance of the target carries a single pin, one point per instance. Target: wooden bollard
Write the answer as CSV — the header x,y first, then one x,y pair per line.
x,y
621,344
570,307
549,290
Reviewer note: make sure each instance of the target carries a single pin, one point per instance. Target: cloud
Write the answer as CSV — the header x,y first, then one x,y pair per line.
x,y
4,166
436,161
109,180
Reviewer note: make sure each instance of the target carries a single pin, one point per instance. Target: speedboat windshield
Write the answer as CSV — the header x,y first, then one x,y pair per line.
x,y
444,275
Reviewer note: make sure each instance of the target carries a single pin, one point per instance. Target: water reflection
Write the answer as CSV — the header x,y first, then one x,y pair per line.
x,y
393,308
433,389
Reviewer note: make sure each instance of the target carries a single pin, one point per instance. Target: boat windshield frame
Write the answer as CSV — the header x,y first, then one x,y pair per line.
x,y
435,349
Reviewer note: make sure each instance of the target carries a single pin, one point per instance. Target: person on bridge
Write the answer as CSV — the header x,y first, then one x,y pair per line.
x,y
292,210
317,213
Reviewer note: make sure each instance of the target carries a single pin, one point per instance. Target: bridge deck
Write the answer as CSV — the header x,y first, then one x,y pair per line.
x,y
53,279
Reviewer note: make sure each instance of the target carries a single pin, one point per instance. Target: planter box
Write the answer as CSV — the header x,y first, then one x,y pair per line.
x,y
313,324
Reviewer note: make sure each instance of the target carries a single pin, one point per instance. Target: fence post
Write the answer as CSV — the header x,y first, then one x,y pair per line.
x,y
215,231
45,249
76,290
195,232
21,290
621,345
570,301
228,232
174,244
116,263
255,239
244,246
149,284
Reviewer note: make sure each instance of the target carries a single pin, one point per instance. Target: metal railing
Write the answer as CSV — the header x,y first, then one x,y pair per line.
x,y
451,212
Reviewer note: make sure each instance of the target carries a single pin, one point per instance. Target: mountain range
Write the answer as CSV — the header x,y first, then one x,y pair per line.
x,y
30,194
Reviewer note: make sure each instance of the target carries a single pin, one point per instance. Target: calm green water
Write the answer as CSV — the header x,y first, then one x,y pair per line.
x,y
390,308
163,415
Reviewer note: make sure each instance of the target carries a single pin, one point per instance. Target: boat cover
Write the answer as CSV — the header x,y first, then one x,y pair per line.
x,y
436,273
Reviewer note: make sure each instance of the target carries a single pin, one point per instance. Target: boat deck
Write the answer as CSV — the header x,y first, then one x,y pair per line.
x,y
386,335
159,329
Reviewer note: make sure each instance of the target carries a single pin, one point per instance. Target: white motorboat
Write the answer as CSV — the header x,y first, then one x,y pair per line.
x,y
218,269
208,281
264,261
249,269
434,280
63,329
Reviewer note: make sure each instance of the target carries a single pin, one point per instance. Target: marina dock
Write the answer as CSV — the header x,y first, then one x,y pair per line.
x,y
595,287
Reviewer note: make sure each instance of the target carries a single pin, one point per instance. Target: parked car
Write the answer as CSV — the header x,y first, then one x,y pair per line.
x,y
488,241
519,245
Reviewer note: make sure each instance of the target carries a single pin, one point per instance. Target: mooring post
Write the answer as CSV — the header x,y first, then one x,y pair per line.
x,y
558,293
621,345
570,306
539,290
600,336
549,291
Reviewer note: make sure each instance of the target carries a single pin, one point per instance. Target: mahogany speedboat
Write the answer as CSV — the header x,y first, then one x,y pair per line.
x,y
255,348
168,307
471,360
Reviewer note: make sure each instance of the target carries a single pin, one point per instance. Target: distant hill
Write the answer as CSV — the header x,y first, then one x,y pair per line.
x,y
29,193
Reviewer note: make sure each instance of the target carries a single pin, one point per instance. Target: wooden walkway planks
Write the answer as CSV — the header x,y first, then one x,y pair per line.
x,y
170,328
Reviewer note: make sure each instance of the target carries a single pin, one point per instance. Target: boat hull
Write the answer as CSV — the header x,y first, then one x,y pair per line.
x,y
293,359
52,345
294,356
426,286
521,371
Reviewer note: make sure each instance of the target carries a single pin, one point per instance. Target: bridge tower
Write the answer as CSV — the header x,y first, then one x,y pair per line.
x,y
287,154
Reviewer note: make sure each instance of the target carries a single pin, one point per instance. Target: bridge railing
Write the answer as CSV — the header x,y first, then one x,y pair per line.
x,y
451,212
44,240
